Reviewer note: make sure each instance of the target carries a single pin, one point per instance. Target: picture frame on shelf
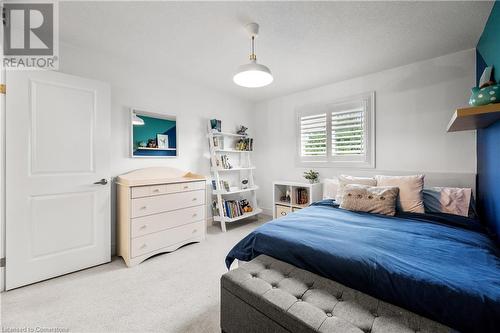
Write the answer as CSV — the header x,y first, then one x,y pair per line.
x,y
162,140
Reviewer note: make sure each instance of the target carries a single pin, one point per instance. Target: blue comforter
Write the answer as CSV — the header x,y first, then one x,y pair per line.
x,y
440,266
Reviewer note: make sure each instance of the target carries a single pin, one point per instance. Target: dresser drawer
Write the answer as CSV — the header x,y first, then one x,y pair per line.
x,y
282,211
153,223
148,243
146,191
182,187
167,202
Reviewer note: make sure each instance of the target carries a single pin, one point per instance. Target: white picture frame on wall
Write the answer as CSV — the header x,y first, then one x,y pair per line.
x,y
138,141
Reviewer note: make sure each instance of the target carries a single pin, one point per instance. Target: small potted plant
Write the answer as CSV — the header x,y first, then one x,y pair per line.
x,y
312,176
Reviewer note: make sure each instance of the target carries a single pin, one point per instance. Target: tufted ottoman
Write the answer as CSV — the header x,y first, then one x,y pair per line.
x,y
268,295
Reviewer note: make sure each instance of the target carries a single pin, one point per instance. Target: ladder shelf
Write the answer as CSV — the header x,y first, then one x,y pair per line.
x,y
243,169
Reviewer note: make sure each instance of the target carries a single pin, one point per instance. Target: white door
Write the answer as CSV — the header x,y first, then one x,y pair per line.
x,y
57,148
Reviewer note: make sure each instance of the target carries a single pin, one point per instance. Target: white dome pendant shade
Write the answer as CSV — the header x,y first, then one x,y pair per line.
x,y
253,75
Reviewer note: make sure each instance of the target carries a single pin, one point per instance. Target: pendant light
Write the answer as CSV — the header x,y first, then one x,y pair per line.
x,y
137,120
253,75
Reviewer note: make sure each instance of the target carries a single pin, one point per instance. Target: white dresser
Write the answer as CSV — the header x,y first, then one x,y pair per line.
x,y
159,210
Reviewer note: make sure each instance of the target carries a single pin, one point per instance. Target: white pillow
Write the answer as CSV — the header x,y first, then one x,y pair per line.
x,y
330,187
450,200
410,197
345,180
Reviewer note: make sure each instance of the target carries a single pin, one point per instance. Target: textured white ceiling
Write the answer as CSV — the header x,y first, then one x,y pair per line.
x,y
306,44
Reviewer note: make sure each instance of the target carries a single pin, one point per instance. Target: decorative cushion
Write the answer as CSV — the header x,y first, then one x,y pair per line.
x,y
363,198
410,197
330,187
450,200
345,180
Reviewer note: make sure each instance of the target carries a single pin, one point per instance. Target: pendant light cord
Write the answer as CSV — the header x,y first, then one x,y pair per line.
x,y
253,56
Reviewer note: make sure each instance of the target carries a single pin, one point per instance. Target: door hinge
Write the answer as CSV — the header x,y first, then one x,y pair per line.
x,y
3,88
2,262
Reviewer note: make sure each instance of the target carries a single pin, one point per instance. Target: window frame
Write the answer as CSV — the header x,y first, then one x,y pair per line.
x,y
362,162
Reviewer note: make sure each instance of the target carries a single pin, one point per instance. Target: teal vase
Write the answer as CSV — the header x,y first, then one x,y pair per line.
x,y
484,96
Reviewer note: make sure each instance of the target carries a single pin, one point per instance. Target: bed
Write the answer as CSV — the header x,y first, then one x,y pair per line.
x,y
440,266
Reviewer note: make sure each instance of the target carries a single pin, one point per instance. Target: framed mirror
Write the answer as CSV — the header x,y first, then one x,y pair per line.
x,y
152,134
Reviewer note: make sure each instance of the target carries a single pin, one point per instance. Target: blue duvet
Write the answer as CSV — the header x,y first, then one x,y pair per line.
x,y
440,266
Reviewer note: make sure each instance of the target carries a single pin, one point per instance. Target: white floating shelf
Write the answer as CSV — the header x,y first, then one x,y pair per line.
x,y
236,191
244,216
228,134
233,169
149,148
232,151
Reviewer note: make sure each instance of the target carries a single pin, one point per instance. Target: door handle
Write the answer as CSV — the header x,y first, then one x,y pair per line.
x,y
103,181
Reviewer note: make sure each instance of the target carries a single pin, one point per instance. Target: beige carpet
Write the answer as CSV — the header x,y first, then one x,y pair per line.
x,y
175,292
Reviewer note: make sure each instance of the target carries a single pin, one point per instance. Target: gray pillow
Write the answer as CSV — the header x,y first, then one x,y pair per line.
x,y
370,199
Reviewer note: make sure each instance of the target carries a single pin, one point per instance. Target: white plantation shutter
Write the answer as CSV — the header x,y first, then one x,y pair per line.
x,y
313,135
348,132
339,134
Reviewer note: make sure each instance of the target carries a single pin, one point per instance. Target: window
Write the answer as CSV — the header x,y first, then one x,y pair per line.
x,y
338,134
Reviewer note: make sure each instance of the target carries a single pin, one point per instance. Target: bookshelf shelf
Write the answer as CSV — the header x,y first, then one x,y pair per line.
x,y
228,167
234,219
223,192
232,169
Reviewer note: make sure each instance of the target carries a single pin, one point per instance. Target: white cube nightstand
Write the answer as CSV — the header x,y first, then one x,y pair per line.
x,y
291,196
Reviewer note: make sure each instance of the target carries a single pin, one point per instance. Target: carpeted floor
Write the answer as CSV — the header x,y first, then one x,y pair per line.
x,y
175,292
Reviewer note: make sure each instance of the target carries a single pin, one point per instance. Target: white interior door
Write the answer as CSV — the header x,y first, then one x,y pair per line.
x,y
57,147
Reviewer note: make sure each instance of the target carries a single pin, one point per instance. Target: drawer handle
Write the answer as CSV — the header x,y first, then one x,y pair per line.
x,y
143,207
194,199
186,187
143,246
194,231
283,213
157,190
143,227
194,215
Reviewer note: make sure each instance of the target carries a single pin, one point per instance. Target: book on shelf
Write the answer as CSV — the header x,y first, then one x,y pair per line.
x,y
223,184
215,125
244,144
232,208
218,142
222,161
302,196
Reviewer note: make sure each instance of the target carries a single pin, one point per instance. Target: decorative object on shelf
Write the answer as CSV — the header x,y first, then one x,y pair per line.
x,y
485,79
242,130
245,205
151,143
162,140
216,125
312,176
157,137
488,91
286,198
253,75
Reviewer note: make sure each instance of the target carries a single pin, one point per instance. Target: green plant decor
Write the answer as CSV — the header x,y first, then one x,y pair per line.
x,y
312,176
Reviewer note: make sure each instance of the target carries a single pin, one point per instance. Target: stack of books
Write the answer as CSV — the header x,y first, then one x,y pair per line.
x,y
233,208
302,196
245,144
223,162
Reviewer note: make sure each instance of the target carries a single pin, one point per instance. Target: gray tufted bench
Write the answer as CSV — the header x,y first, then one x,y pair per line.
x,y
268,295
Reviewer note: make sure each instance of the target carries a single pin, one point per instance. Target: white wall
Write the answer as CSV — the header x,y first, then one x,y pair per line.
x,y
414,104
131,85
